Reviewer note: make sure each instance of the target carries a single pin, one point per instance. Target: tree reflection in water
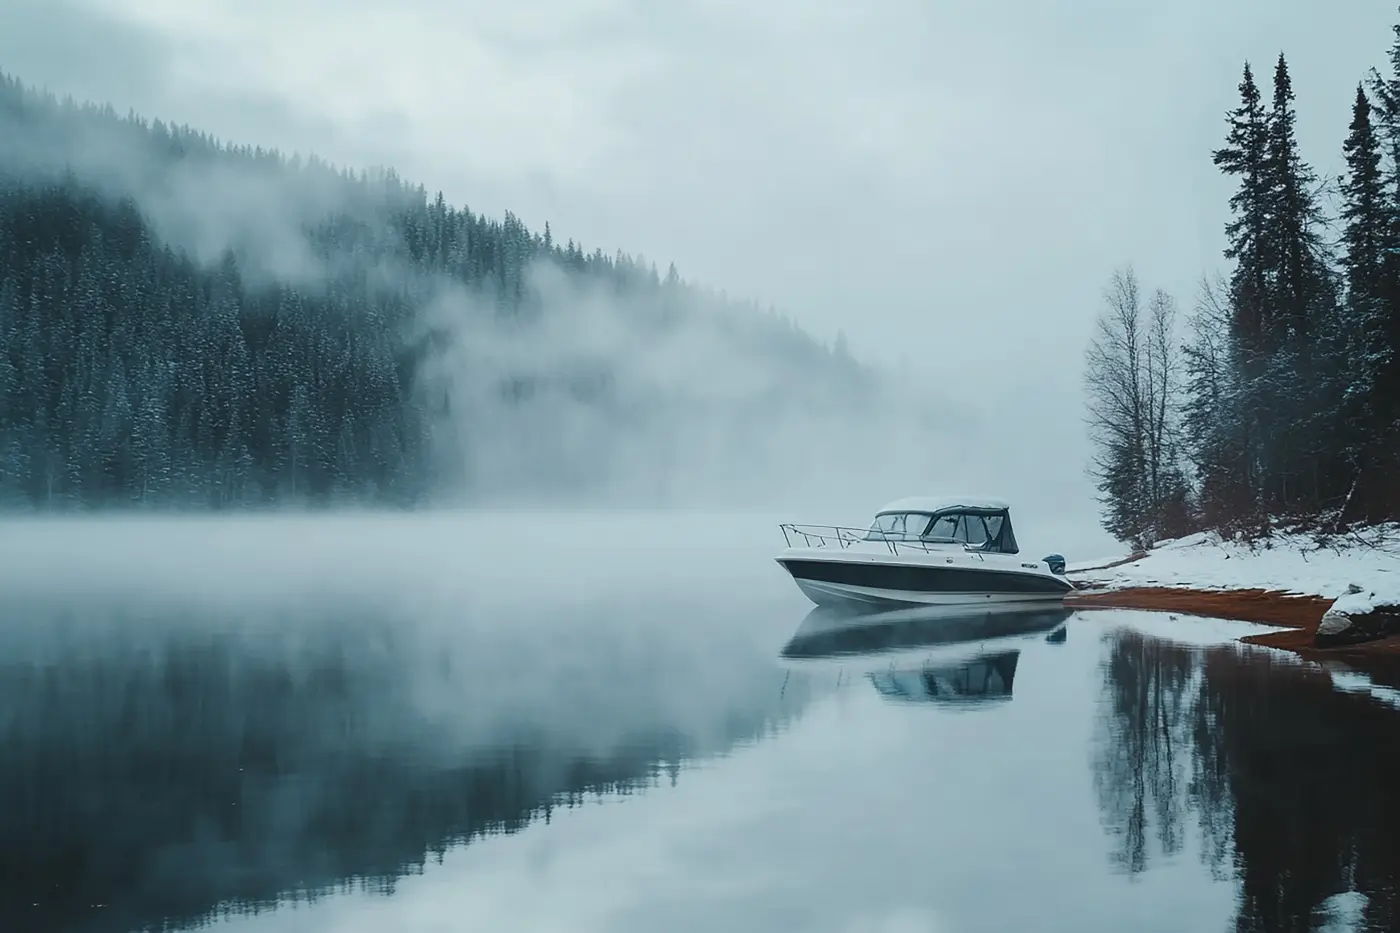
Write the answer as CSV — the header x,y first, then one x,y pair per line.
x,y
1292,786
157,769
1142,779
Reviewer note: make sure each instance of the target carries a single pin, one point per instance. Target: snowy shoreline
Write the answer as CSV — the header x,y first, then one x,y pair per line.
x,y
1335,588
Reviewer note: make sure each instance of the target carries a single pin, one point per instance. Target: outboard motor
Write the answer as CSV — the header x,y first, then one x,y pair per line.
x,y
1057,564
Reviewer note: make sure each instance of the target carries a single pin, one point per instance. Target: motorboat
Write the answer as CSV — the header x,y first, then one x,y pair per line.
x,y
950,551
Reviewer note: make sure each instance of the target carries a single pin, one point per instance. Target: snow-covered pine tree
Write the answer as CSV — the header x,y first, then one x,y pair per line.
x,y
1294,255
1245,347
1302,467
1366,240
1384,495
1243,155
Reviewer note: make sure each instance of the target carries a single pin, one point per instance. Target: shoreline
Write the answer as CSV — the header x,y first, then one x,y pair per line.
x,y
1296,615
1294,611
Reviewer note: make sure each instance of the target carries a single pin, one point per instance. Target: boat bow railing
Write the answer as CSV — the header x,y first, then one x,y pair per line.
x,y
837,536
822,535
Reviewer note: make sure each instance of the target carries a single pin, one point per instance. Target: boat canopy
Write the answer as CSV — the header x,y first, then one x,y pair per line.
x,y
975,521
932,504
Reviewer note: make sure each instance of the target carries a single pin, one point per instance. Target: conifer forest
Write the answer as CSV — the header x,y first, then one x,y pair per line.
x,y
190,323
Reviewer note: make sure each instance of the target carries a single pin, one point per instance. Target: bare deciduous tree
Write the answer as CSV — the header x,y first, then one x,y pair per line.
x,y
1133,381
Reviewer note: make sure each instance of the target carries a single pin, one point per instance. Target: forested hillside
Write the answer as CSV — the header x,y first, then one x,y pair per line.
x,y
187,322
1283,401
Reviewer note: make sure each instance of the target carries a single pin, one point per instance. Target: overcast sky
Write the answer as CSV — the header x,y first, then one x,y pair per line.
x,y
949,181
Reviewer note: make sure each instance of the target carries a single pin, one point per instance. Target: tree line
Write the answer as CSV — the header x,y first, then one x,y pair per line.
x,y
135,372
1282,401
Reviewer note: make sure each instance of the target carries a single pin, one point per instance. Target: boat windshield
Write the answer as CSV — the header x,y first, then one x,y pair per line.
x,y
899,526
987,530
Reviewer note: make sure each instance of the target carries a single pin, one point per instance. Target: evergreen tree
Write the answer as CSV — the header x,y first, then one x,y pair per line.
x,y
1366,238
1244,155
1383,495
1386,89
1283,348
1308,355
1245,347
1364,213
1298,276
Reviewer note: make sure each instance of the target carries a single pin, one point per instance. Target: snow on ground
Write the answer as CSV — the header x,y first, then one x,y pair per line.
x,y
1291,563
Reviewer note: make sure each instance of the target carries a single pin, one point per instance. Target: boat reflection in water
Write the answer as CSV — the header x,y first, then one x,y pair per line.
x,y
955,655
986,679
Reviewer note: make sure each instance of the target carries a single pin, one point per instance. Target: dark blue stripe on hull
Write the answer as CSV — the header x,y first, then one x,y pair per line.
x,y
918,579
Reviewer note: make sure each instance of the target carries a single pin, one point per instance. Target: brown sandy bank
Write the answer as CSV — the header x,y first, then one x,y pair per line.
x,y
1299,614
1269,607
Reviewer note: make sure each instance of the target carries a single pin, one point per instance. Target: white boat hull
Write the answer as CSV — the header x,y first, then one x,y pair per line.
x,y
844,594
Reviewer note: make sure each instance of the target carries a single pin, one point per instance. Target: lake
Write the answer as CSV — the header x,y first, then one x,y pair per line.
x,y
542,721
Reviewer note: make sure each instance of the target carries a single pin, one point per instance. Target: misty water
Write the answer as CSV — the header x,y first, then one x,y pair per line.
x,y
543,721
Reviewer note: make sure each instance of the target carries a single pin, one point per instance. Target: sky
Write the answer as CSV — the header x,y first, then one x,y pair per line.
x,y
949,183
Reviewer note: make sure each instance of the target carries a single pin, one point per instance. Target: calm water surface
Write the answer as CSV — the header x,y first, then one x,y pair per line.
x,y
546,723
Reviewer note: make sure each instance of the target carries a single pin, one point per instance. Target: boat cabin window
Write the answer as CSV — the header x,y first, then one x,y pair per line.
x,y
898,526
972,530
945,528
960,528
981,529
